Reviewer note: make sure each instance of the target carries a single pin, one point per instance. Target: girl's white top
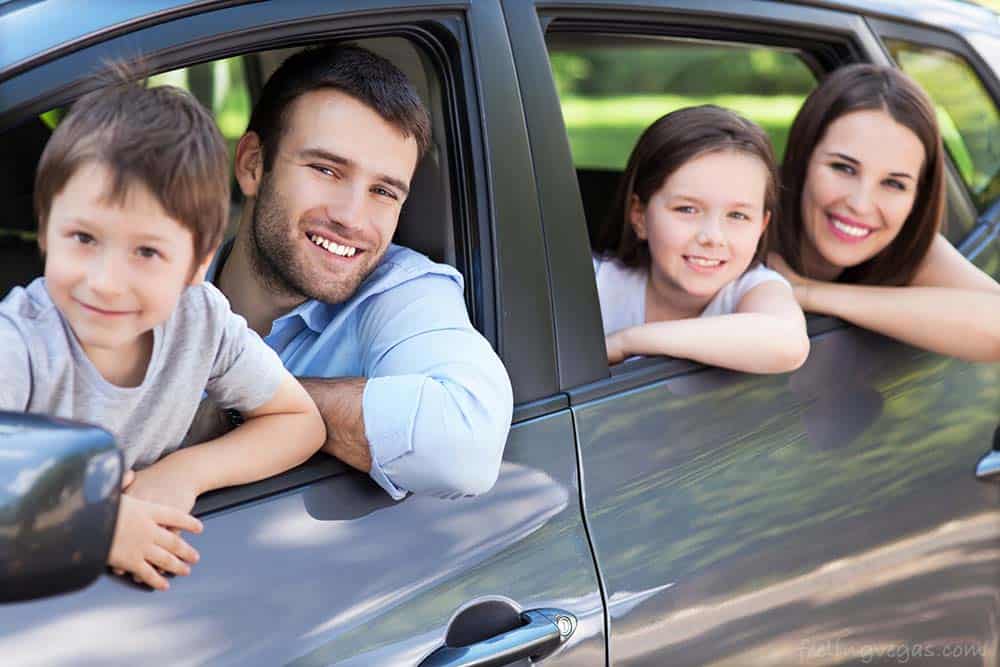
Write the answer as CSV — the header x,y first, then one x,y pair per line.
x,y
622,292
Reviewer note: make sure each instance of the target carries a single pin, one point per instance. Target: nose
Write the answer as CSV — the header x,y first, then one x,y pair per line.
x,y
348,208
105,276
710,233
861,198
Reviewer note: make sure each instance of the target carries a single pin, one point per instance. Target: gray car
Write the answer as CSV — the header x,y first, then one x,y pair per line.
x,y
658,513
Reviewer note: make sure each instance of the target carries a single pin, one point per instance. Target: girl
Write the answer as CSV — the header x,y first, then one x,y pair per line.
x,y
863,203
671,264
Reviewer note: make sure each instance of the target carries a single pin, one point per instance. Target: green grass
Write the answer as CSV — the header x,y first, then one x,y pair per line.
x,y
603,130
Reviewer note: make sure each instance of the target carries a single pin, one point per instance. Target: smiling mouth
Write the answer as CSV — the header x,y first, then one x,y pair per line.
x,y
704,262
331,247
102,311
847,229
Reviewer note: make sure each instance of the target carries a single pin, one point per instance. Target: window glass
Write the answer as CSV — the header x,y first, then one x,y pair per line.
x,y
613,89
970,123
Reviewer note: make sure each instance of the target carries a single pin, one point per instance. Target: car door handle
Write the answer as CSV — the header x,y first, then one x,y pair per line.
x,y
989,466
544,630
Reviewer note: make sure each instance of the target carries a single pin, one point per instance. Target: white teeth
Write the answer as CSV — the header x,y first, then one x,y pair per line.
x,y
702,261
335,248
851,230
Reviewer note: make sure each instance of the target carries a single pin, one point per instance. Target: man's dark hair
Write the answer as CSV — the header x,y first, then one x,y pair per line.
x,y
371,79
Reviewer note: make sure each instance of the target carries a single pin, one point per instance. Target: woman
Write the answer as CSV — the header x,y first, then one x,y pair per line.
x,y
862,205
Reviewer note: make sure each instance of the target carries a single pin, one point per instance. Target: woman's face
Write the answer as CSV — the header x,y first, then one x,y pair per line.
x,y
861,182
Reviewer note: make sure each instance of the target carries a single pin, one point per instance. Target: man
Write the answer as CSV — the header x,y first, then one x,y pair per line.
x,y
378,334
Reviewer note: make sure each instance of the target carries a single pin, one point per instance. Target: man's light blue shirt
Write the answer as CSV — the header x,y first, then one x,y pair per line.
x,y
438,402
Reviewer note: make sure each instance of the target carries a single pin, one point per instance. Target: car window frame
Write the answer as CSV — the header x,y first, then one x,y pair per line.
x,y
443,32
583,370
960,202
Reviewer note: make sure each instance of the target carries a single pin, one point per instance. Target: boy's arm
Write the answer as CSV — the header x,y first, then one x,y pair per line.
x,y
15,390
280,434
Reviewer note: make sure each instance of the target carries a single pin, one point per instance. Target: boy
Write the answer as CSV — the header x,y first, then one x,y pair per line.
x,y
131,196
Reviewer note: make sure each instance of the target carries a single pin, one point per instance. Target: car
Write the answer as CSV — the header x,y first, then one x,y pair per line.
x,y
657,512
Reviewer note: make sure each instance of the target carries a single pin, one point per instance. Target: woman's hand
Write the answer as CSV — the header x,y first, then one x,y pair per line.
x,y
800,284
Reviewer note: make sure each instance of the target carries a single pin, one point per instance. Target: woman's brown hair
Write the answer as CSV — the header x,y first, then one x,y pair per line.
x,y
864,87
665,146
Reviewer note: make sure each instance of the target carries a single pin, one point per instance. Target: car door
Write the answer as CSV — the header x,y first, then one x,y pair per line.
x,y
828,516
318,565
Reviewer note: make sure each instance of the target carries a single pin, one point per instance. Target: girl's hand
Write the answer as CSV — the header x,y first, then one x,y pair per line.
x,y
615,344
800,285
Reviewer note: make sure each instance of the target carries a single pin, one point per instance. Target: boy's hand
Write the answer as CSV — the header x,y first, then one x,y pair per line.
x,y
166,482
144,541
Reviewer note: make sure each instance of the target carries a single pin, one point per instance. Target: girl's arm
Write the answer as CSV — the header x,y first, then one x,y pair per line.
x,y
278,435
951,307
766,334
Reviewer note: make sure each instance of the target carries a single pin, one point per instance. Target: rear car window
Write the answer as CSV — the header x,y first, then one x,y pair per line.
x,y
970,122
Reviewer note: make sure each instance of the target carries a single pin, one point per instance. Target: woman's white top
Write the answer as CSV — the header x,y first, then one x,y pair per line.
x,y
622,292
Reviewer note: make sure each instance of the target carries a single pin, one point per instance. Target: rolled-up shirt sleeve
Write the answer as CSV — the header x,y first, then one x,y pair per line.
x,y
438,402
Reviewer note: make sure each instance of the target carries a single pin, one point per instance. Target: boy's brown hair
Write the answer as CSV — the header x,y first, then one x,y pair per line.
x,y
160,137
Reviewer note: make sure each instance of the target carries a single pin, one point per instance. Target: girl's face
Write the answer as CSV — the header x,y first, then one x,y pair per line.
x,y
860,186
704,223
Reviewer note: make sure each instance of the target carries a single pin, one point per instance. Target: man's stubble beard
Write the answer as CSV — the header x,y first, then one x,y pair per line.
x,y
273,254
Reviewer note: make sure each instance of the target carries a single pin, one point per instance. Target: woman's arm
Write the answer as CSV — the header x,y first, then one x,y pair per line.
x,y
767,334
951,307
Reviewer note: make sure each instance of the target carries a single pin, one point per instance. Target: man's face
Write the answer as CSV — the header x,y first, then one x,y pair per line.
x,y
325,213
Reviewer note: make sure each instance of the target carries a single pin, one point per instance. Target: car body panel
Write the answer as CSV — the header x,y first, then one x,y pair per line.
x,y
337,573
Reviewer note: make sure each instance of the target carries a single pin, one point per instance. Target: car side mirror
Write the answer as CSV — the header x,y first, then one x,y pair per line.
x,y
60,482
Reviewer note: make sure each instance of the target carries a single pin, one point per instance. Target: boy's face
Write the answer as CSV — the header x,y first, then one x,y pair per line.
x,y
115,272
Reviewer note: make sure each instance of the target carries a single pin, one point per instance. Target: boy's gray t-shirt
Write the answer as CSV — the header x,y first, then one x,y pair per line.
x,y
202,347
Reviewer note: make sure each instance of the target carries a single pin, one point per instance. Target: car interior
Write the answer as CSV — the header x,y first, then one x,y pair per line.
x,y
426,222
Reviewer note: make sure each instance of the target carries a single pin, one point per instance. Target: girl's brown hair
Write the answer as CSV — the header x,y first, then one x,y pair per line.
x,y
864,87
666,145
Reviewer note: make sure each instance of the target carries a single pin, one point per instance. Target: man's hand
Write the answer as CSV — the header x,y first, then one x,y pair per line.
x,y
166,482
800,284
144,542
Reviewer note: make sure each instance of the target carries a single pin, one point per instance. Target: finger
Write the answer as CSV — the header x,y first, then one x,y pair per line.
x,y
127,479
174,544
146,574
171,517
166,561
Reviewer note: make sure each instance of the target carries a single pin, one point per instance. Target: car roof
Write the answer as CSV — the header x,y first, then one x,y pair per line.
x,y
33,28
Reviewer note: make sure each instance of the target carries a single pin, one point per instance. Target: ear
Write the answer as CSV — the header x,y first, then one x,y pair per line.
x,y
198,275
249,163
767,221
637,216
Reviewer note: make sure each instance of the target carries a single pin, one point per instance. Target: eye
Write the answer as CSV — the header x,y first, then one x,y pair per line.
x,y
685,209
895,184
843,167
83,238
384,192
739,215
323,169
147,253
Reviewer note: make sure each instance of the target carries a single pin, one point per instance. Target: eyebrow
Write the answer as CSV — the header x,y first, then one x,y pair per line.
x,y
735,204
855,161
321,154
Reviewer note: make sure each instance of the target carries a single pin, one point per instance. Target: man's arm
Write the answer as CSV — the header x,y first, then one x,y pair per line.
x,y
432,413
339,402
